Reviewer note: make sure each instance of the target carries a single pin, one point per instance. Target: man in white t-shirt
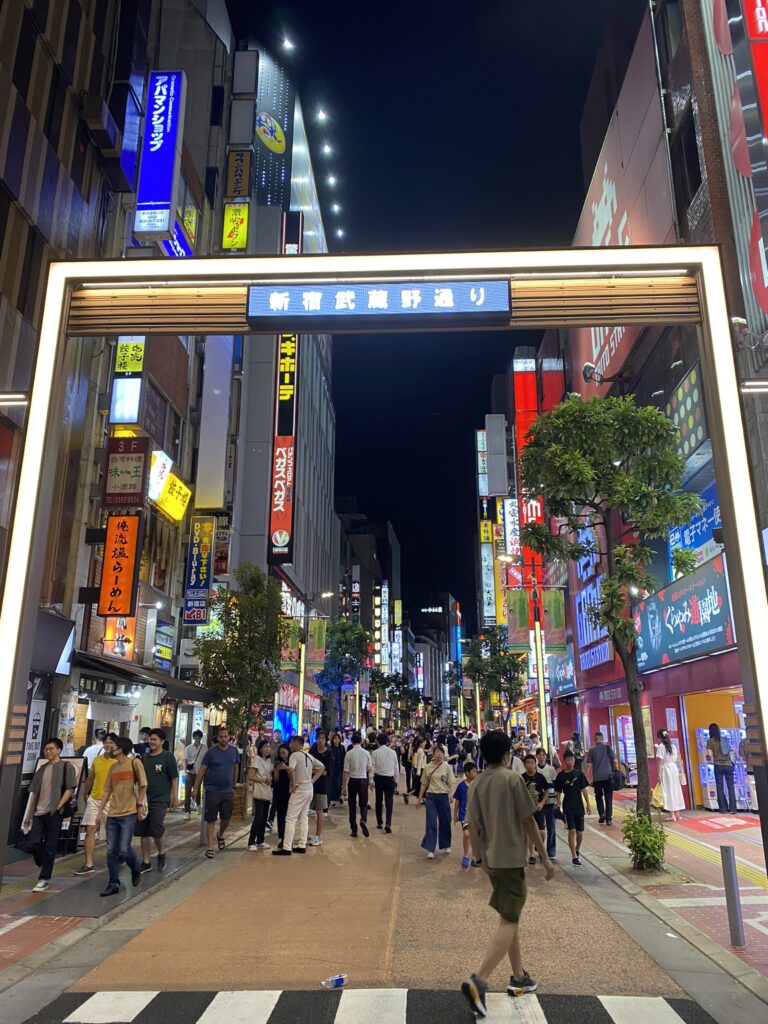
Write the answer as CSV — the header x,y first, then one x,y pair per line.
x,y
91,753
303,769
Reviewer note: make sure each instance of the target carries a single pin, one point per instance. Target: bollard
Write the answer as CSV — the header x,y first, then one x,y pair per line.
x,y
732,898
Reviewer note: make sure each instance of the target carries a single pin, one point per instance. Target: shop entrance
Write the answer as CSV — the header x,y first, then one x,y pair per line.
x,y
558,288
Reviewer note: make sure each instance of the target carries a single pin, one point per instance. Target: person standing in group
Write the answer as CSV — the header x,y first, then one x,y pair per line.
x,y
303,770
92,752
260,775
501,823
436,791
418,764
550,774
277,739
50,791
281,790
193,758
338,753
322,753
601,764
122,801
460,797
452,746
719,752
405,758
537,787
94,790
571,786
670,773
219,770
162,792
358,777
386,772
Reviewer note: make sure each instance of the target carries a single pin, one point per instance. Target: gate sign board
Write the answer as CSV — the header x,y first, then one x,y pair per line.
x,y
156,198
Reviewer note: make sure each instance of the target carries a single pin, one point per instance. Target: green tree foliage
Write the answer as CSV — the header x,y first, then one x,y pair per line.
x,y
345,651
490,663
610,472
240,657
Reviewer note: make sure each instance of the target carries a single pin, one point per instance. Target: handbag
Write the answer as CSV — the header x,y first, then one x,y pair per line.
x,y
618,781
657,796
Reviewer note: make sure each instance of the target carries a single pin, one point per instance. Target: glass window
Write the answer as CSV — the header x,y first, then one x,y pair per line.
x,y
670,32
686,169
54,112
25,56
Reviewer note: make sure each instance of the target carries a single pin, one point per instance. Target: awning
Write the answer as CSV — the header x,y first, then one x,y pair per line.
x,y
53,643
130,672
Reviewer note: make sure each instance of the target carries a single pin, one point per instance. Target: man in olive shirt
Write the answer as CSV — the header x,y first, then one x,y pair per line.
x,y
501,824
162,791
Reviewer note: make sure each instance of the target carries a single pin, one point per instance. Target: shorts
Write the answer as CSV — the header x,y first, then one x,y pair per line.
x,y
92,810
509,892
319,802
574,821
218,804
153,826
465,826
541,821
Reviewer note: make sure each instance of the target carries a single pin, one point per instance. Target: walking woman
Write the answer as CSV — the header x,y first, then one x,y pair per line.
x,y
670,771
405,757
338,753
260,776
436,790
418,764
282,789
719,752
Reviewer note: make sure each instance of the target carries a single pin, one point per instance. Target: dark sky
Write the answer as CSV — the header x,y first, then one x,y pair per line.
x,y
454,126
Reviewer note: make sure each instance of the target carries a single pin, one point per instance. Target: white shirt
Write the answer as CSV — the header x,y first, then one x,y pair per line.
x,y
303,765
91,753
194,755
517,765
385,762
358,764
550,775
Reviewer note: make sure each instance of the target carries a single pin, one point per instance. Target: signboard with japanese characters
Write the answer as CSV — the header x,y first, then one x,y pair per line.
x,y
698,535
199,575
125,476
234,230
221,551
280,549
174,498
129,355
687,619
120,566
346,303
273,133
238,174
157,193
562,673
165,642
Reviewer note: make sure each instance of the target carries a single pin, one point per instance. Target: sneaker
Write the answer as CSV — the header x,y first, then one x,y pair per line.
x,y
388,830
474,992
260,846
281,853
315,841
430,856
475,863
111,890
135,878
405,798
268,826
299,849
161,862
364,829
609,821
42,886
187,816
446,850
145,867
85,870
531,860
465,862
253,846
519,986
576,861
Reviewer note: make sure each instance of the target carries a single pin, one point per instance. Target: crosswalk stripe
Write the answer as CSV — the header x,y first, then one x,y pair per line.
x,y
383,1005
240,1007
106,1007
640,1010
504,1009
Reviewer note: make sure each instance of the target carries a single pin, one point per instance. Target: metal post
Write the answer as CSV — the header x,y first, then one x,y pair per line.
x,y
544,731
477,710
302,669
732,898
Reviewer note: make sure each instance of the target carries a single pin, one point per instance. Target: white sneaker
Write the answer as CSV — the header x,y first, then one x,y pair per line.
x,y
448,850
41,886
187,816
253,847
261,846
315,841
430,856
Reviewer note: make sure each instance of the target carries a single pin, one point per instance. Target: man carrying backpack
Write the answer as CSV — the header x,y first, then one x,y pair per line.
x,y
52,788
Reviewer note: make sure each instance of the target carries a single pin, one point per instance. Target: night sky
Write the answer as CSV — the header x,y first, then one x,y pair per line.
x,y
454,126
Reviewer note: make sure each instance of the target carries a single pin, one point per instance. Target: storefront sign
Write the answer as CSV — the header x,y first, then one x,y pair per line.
x,y
234,230
615,693
553,618
562,674
129,355
598,654
198,579
489,588
165,642
179,245
125,476
280,550
316,635
174,498
238,174
34,741
221,554
687,619
119,638
160,467
157,193
120,566
125,401
698,535
686,410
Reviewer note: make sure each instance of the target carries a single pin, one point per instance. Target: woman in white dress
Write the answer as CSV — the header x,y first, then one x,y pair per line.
x,y
670,771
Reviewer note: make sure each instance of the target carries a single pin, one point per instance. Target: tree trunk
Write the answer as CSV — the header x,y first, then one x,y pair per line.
x,y
638,728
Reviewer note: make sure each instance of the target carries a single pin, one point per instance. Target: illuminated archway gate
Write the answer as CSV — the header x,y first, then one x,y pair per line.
x,y
550,288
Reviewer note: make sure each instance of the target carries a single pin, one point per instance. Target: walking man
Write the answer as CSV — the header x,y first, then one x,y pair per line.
x,y
124,792
386,773
52,787
303,770
550,774
358,776
601,764
501,824
571,785
94,791
162,793
193,758
219,769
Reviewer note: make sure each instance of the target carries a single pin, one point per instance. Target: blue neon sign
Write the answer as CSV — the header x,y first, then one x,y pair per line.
x,y
178,245
350,300
160,155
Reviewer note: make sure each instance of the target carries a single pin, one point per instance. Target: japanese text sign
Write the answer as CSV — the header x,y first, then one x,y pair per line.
x,y
174,498
156,198
284,453
234,231
129,355
125,477
199,576
120,567
239,174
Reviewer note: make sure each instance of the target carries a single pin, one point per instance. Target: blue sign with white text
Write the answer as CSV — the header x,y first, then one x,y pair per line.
x,y
177,246
349,301
160,155
698,535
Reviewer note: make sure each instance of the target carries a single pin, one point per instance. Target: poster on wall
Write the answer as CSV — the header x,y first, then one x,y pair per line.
x,y
34,741
687,619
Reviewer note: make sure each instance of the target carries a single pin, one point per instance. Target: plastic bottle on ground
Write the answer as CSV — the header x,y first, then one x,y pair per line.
x,y
335,981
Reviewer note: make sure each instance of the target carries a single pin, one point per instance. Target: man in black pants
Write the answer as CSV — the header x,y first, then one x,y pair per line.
x,y
601,763
358,776
386,773
53,785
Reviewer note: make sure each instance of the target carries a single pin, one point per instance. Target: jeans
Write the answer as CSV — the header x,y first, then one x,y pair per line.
x,y
385,791
43,840
438,821
725,772
604,798
259,823
549,816
296,822
407,767
357,792
119,836
189,786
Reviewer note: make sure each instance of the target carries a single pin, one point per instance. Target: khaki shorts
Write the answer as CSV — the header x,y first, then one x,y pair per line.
x,y
90,813
509,892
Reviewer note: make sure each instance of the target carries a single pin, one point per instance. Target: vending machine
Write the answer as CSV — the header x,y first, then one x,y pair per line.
x,y
707,771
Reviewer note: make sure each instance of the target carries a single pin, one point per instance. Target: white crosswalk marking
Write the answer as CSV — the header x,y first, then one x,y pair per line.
x,y
382,1005
640,1010
240,1007
504,1009
109,1007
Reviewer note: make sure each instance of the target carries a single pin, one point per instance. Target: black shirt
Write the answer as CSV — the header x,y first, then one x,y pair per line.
x,y
537,785
320,785
571,784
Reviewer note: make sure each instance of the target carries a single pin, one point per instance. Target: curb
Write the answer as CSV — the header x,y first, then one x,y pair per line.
x,y
23,968
745,975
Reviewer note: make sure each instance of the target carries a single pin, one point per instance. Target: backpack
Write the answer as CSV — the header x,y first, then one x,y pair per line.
x,y
725,745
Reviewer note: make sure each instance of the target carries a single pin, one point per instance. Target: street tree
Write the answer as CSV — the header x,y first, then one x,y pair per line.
x,y
495,669
240,655
609,472
346,649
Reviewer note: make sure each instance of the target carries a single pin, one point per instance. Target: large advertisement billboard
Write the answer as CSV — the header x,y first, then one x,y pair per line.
x,y
157,194
273,133
284,453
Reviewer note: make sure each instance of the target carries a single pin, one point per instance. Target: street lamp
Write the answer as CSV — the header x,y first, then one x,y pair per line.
x,y
463,640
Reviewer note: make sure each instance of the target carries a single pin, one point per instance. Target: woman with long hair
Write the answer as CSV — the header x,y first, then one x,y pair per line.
x,y
418,764
282,789
338,753
670,773
719,753
260,774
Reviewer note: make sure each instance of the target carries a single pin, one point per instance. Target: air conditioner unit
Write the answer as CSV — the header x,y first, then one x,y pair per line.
x,y
101,126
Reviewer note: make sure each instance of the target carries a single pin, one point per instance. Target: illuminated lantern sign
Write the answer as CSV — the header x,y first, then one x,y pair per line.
x,y
120,567
197,583
280,549
174,498
157,194
129,355
234,232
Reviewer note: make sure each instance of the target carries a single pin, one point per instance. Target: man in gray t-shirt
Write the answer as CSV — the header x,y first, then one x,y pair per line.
x,y
601,764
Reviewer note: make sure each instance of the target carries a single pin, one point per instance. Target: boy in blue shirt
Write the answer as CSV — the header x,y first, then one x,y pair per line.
x,y
460,795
